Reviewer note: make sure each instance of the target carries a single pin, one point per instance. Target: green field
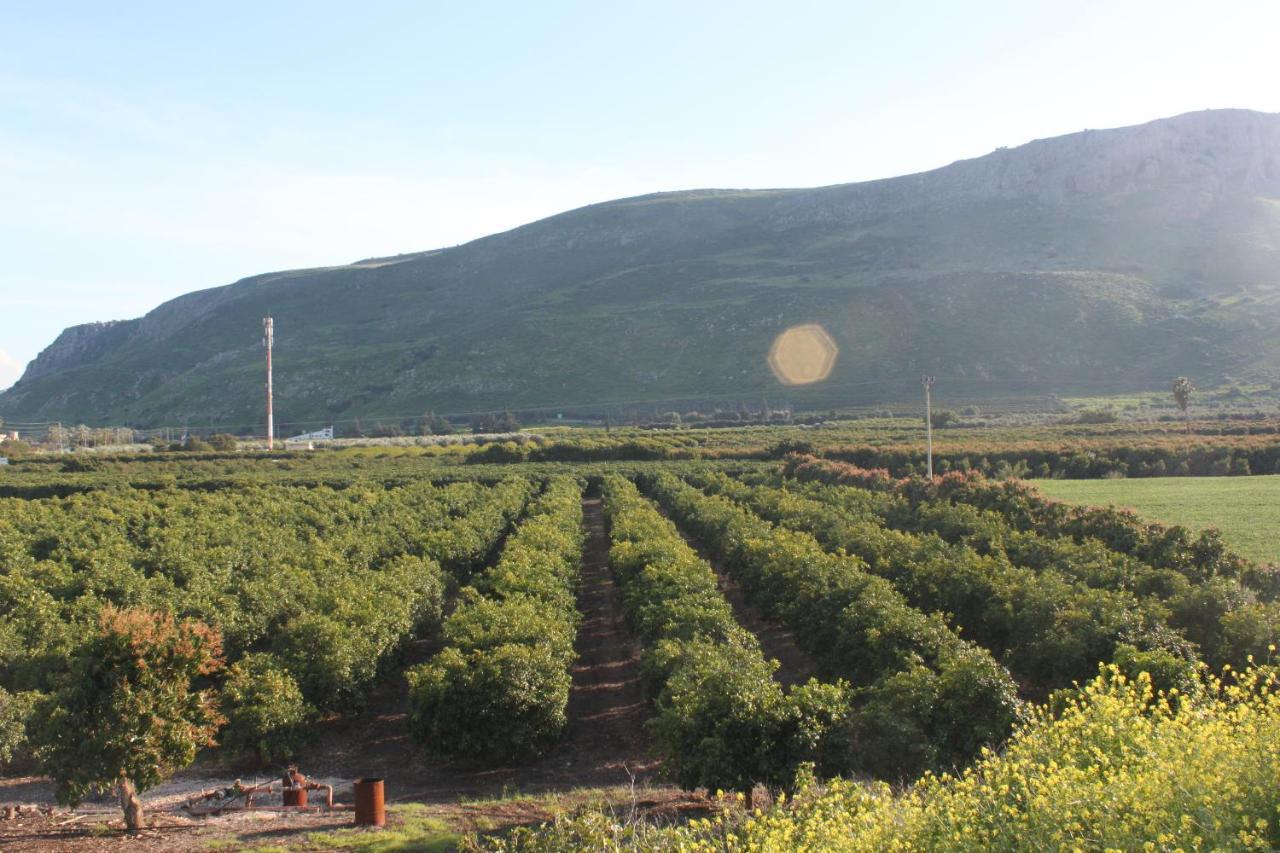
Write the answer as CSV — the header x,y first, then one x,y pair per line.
x,y
1245,509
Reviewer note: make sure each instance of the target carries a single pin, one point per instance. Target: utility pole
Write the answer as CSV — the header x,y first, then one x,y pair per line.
x,y
268,340
927,381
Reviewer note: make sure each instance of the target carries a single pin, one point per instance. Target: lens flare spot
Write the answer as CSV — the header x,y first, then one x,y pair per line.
x,y
803,355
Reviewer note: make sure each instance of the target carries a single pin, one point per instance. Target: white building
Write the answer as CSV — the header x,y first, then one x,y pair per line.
x,y
325,434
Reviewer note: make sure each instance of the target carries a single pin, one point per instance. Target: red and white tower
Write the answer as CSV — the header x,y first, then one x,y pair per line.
x,y
268,340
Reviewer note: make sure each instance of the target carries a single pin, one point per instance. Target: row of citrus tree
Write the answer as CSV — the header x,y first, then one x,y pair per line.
x,y
313,592
1224,604
500,686
721,719
924,698
1227,618
1048,627
1196,555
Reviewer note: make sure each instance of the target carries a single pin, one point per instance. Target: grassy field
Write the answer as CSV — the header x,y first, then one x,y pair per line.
x,y
1245,509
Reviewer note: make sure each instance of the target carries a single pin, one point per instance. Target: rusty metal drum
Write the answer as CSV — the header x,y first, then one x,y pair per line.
x,y
370,810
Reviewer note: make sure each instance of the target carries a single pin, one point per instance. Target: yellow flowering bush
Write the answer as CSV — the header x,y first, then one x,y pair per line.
x,y
1117,766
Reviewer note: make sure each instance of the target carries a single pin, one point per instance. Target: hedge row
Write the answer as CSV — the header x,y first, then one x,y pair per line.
x,y
1219,601
1132,450
1088,561
721,719
1198,556
500,686
469,542
1048,628
1240,457
927,698
314,590
1227,617
336,651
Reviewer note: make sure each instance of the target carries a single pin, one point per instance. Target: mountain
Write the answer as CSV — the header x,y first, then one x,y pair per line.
x,y
1101,260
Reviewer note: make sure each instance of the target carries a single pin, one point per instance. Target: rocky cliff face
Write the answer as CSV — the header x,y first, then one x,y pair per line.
x,y
1210,153
1202,156
78,345
1100,260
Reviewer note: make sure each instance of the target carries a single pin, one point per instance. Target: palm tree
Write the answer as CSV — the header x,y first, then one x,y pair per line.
x,y
1182,388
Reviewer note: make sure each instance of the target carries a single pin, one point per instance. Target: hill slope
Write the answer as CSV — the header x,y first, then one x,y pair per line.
x,y
1102,259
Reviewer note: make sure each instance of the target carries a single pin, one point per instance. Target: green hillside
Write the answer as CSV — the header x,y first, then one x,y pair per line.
x,y
1098,262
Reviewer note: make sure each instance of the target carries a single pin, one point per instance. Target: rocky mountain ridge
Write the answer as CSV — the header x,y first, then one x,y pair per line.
x,y
1103,258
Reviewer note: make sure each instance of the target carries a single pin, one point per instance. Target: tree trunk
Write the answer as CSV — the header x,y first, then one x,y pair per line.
x,y
130,804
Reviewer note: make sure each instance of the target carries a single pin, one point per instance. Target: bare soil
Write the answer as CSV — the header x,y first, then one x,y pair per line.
x,y
778,643
607,706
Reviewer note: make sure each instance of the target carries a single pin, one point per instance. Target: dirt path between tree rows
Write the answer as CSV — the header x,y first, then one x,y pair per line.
x,y
777,643
607,706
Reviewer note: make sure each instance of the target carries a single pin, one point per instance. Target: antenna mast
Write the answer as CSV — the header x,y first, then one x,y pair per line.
x,y
927,381
268,340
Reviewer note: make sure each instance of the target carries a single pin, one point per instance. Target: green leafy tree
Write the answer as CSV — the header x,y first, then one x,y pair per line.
x,y
489,423
725,723
720,718
14,449
58,436
15,710
433,424
332,660
223,442
264,707
942,418
1182,390
506,702
130,711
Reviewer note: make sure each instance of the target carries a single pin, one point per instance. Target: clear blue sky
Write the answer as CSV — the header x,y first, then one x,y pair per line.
x,y
150,149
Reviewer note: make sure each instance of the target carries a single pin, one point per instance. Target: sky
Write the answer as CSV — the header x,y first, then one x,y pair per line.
x,y
152,149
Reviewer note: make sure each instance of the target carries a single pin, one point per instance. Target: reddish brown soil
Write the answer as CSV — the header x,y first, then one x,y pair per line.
x,y
607,707
92,829
777,643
